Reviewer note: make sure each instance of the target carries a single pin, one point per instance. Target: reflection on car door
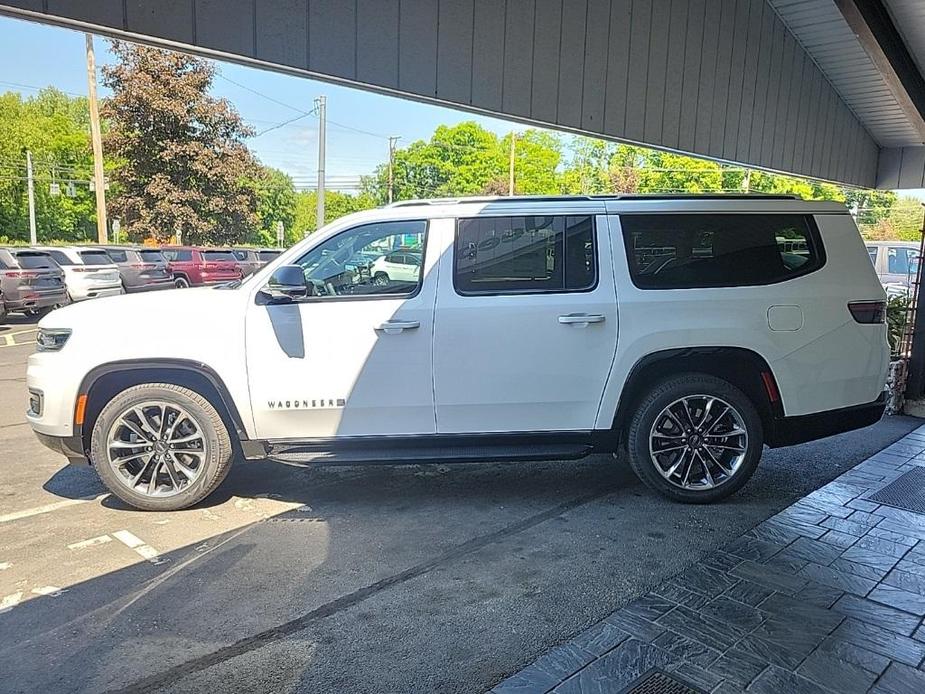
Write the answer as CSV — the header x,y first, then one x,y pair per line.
x,y
346,365
526,325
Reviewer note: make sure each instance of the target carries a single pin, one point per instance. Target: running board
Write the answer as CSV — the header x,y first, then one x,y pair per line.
x,y
413,455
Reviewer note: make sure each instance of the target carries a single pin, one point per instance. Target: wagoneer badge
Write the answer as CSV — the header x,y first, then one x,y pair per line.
x,y
325,403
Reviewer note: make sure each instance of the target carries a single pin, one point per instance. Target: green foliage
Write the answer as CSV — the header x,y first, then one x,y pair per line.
x,y
336,205
896,315
55,128
276,202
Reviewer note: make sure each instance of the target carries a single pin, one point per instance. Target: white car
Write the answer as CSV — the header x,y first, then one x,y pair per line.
x,y
690,331
89,273
402,265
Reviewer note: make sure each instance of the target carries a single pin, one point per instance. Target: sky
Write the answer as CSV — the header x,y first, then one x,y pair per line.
x,y
359,123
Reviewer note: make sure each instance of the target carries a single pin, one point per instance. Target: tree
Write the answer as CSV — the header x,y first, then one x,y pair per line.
x,y
336,205
54,128
183,164
276,202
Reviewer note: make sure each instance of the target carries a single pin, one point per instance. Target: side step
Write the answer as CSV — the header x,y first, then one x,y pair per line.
x,y
413,455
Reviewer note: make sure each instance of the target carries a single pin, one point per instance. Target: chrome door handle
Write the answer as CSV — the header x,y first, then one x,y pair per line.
x,y
581,318
394,327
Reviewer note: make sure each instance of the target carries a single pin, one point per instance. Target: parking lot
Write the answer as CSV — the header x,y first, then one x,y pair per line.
x,y
391,578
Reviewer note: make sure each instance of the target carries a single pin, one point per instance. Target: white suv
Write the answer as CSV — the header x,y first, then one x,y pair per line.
x,y
691,331
89,272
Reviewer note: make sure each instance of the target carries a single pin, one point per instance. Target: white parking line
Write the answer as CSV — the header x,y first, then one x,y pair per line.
x,y
48,508
49,591
101,540
8,602
140,546
4,565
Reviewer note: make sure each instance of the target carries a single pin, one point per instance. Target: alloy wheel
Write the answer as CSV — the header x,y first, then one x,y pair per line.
x,y
698,442
156,448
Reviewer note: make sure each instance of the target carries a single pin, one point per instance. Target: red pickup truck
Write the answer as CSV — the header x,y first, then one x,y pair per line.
x,y
194,266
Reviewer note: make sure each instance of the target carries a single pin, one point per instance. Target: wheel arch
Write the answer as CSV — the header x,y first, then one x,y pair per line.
x,y
745,369
102,383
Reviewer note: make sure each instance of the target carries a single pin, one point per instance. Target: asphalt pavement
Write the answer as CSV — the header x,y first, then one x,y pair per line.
x,y
359,579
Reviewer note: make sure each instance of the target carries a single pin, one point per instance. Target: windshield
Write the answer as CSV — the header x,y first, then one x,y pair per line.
x,y
95,258
216,256
34,261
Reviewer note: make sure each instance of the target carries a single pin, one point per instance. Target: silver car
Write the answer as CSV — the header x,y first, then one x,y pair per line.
x,y
896,263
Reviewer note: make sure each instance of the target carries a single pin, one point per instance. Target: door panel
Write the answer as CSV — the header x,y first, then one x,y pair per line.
x,y
346,365
522,362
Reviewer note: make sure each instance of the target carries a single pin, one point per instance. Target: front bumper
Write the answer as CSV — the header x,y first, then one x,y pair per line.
x,y
71,447
788,431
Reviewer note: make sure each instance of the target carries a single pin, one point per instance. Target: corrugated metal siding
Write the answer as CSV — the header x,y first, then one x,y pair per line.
x,y
823,32
719,78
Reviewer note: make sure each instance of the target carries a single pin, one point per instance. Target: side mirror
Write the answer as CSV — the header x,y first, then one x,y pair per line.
x,y
288,282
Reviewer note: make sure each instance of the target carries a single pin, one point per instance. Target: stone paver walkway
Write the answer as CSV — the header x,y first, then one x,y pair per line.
x,y
826,596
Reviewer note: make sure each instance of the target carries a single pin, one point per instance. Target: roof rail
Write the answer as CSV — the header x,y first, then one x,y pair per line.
x,y
485,199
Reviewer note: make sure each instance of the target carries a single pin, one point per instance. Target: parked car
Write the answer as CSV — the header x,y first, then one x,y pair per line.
x,y
193,266
743,322
141,269
896,264
268,254
2,307
88,272
32,282
398,266
248,260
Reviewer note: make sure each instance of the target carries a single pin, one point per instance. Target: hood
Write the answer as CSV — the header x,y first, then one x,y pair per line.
x,y
130,312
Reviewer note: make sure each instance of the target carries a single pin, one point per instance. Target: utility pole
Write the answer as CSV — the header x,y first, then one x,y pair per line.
x,y
31,189
320,106
510,168
747,182
392,140
102,233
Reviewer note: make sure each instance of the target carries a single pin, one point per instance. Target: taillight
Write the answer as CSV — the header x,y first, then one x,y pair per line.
x,y
868,311
21,274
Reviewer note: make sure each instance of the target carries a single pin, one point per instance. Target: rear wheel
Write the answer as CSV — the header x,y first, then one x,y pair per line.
x,y
381,279
695,438
160,447
180,282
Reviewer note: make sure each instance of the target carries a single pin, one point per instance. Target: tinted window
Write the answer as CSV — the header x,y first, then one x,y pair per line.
x,y
95,258
498,255
872,251
339,266
902,261
152,256
117,255
34,261
60,258
175,254
268,255
698,250
215,256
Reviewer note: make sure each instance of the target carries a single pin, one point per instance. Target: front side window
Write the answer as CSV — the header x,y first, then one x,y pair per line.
x,y
687,251
524,255
872,251
358,262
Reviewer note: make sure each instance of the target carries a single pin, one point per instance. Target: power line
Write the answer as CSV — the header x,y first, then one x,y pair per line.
x,y
262,95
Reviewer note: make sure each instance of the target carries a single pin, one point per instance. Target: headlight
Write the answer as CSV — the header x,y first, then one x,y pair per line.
x,y
51,339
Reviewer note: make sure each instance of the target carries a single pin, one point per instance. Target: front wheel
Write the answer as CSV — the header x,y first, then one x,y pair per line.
x,y
695,438
160,447
381,279
180,282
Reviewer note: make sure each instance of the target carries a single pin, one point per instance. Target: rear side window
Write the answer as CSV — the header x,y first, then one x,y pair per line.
x,y
688,251
60,258
181,254
152,256
525,255
117,256
95,258
34,261
215,256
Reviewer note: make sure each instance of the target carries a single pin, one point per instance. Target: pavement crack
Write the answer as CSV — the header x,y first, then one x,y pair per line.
x,y
274,634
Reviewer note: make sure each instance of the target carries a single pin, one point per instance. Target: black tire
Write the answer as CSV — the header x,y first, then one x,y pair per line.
x,y
651,406
218,451
180,282
381,279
